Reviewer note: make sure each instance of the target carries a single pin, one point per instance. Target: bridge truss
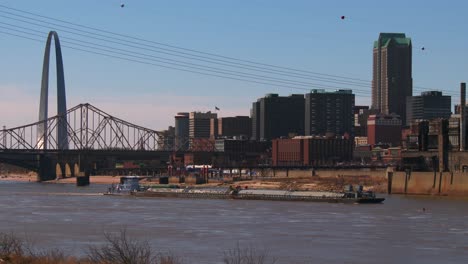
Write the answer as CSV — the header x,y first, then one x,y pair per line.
x,y
88,128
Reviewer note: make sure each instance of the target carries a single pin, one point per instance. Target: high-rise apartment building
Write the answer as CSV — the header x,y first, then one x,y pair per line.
x,y
392,78
255,117
237,126
182,131
276,116
199,124
428,105
329,113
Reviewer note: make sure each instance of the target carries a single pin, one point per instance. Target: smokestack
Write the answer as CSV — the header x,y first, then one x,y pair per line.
x,y
462,115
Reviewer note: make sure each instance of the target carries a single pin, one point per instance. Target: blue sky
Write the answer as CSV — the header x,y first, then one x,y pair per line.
x,y
306,35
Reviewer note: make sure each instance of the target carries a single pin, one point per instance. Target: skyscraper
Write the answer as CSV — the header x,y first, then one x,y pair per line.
x,y
276,116
199,124
392,78
182,131
429,105
329,113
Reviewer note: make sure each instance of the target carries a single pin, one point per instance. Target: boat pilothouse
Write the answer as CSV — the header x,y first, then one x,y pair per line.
x,y
349,192
126,185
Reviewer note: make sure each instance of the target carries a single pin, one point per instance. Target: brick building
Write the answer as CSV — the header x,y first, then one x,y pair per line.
x,y
311,151
384,129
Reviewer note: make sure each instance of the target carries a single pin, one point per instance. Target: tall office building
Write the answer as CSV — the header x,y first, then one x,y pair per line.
x,y
276,116
428,105
238,126
329,113
182,131
255,118
199,124
392,78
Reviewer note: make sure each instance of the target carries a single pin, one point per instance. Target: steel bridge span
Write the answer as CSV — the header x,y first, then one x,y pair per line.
x,y
95,139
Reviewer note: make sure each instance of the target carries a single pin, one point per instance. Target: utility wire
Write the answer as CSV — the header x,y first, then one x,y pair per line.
x,y
344,80
176,62
178,54
177,47
159,65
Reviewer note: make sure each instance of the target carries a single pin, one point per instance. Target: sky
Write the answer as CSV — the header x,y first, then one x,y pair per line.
x,y
300,34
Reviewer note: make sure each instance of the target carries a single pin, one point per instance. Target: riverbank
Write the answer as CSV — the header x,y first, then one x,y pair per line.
x,y
298,183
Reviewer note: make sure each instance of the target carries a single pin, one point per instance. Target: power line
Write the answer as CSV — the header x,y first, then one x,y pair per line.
x,y
187,56
335,80
180,48
159,65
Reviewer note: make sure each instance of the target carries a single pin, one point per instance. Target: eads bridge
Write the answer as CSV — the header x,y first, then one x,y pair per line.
x,y
78,141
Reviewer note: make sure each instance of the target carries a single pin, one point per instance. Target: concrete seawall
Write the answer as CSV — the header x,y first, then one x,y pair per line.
x,y
429,183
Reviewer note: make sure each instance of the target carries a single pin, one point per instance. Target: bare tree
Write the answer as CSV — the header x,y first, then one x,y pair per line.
x,y
121,249
10,245
247,255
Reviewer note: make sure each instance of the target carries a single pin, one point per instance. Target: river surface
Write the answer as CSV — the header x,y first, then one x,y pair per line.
x,y
398,231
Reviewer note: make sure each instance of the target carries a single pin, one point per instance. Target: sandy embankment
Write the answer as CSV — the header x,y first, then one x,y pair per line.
x,y
28,177
377,184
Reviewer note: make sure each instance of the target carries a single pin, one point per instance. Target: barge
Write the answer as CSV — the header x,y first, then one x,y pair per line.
x,y
270,195
129,185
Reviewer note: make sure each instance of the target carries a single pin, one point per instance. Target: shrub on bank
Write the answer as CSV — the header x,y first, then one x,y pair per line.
x,y
118,249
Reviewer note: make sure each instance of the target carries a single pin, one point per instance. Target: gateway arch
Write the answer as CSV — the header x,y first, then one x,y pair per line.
x,y
42,133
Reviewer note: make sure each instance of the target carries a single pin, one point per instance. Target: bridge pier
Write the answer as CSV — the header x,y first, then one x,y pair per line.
x,y
47,169
84,167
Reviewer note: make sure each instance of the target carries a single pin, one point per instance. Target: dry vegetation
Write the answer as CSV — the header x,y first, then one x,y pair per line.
x,y
118,249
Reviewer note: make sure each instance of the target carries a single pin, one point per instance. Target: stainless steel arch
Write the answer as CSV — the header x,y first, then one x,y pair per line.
x,y
61,98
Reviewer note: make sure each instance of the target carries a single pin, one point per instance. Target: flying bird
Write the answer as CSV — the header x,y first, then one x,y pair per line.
x,y
122,5
423,48
343,17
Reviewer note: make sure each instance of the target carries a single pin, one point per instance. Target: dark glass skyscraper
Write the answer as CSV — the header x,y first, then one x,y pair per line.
x,y
392,78
428,105
276,116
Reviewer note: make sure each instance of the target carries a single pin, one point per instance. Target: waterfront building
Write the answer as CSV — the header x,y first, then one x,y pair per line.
x,y
182,131
428,105
329,113
361,114
392,78
228,127
311,151
276,116
384,129
237,152
199,125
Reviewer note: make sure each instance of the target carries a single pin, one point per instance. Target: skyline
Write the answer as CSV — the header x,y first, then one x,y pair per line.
x,y
152,95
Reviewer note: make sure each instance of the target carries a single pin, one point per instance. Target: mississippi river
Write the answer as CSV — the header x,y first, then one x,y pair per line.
x,y
398,231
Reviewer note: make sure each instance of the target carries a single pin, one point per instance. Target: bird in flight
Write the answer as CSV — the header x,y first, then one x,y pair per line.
x,y
122,5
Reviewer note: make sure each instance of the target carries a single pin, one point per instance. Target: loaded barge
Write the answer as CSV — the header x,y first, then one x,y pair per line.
x,y
271,195
129,186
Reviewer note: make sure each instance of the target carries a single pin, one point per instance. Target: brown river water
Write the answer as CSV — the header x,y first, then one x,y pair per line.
x,y
398,231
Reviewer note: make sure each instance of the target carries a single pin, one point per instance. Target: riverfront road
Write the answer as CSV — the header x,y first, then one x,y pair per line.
x,y
397,231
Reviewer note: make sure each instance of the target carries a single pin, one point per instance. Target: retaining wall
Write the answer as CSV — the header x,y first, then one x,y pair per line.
x,y
429,183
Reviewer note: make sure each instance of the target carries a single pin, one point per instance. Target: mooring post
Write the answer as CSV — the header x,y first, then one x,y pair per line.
x,y
389,181
407,171
440,181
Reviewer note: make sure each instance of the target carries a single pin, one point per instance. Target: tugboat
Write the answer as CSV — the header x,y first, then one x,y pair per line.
x,y
126,186
360,195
